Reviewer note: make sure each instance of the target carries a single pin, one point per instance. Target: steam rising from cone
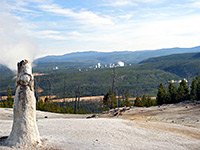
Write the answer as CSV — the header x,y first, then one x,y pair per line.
x,y
14,43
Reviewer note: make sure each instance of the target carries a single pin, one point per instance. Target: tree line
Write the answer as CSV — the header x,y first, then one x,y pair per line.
x,y
8,103
171,95
175,95
83,107
110,101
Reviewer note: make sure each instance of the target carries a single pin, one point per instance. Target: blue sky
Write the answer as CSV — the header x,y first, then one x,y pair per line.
x,y
63,26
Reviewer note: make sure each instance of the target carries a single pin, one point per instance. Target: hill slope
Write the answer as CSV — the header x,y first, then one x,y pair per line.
x,y
92,57
183,65
98,82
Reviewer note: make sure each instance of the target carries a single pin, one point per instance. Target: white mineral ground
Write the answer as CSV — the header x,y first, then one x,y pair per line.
x,y
169,127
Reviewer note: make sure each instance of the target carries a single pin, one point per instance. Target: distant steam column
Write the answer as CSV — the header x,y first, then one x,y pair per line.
x,y
24,130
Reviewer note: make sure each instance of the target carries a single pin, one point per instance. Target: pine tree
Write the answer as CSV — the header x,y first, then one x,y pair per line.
x,y
161,95
184,90
109,100
171,96
180,94
9,98
193,90
55,108
198,86
113,101
47,105
144,100
5,104
1,104
150,102
138,102
105,101
62,110
127,96
69,110
40,105
122,104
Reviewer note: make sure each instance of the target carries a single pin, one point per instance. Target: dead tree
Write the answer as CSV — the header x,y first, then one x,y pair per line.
x,y
37,96
64,89
50,83
75,105
114,81
78,94
77,100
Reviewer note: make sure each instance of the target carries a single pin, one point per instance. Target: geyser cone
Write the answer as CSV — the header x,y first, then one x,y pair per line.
x,y
24,130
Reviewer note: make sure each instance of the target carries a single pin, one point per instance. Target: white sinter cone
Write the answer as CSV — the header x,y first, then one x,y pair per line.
x,y
24,130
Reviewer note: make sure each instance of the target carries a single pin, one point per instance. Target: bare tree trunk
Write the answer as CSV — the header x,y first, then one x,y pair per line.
x,y
37,90
75,105
78,98
113,81
24,130
64,89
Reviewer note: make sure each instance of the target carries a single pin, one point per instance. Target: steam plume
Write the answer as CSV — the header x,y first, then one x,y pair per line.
x,y
14,44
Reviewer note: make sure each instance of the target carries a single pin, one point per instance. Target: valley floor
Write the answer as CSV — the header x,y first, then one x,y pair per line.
x,y
167,127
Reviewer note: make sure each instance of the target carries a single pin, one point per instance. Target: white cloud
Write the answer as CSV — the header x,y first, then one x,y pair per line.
x,y
46,32
148,34
175,32
121,3
49,34
196,4
56,35
75,33
150,1
16,5
127,16
82,17
117,3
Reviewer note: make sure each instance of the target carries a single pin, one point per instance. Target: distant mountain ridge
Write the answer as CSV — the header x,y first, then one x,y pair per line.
x,y
85,59
93,57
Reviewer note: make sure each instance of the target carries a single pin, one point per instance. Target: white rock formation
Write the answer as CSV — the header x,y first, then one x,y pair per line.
x,y
24,130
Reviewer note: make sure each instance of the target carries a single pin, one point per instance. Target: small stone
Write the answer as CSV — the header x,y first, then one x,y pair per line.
x,y
45,116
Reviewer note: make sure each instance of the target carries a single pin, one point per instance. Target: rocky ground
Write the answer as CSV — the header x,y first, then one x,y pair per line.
x,y
166,127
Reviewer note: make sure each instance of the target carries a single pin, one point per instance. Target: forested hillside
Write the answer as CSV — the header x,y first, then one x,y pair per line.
x,y
98,82
184,65
6,79
139,79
